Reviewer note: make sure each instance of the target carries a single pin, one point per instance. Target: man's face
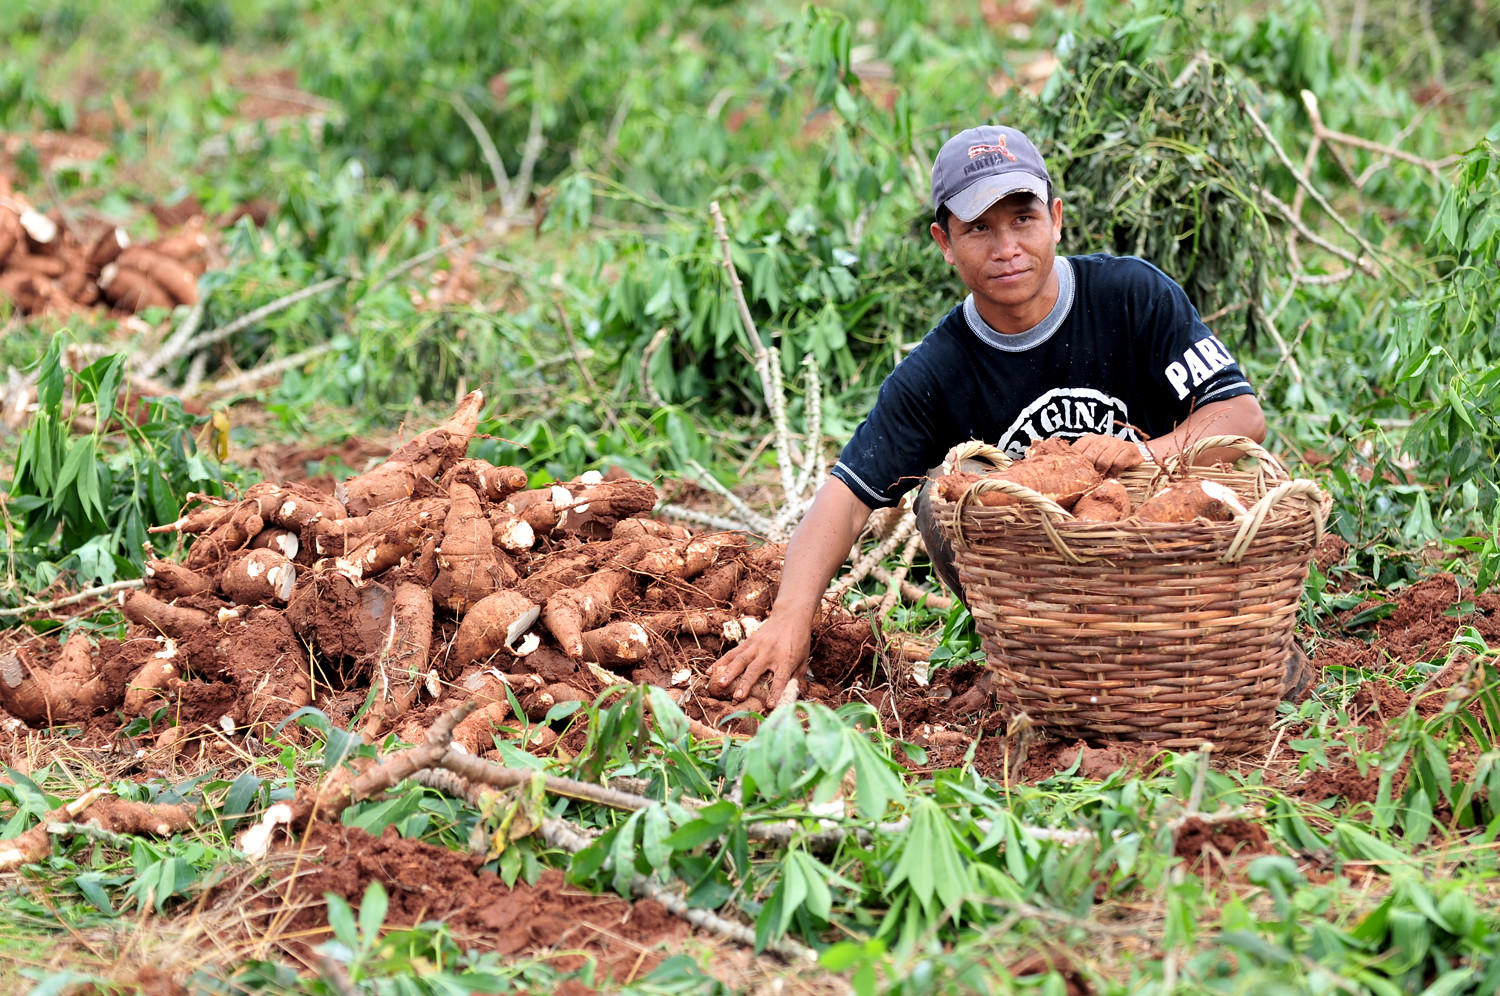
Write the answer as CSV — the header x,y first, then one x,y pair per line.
x,y
1005,257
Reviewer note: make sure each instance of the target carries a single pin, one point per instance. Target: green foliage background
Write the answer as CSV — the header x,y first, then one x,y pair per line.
x,y
613,125
1175,130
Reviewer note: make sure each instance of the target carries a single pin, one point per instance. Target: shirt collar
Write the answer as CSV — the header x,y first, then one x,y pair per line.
x,y
1038,333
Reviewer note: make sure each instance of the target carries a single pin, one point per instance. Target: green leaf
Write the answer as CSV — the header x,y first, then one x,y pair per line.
x,y
243,791
372,910
828,741
709,824
92,886
655,829
670,719
341,920
50,382
876,786
793,891
930,862
623,854
815,876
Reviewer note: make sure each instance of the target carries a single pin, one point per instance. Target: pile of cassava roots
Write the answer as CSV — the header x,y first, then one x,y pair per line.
x,y
429,580
46,268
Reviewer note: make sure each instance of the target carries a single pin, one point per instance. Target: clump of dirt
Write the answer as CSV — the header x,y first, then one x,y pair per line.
x,y
1344,782
1196,838
548,919
1426,619
1052,959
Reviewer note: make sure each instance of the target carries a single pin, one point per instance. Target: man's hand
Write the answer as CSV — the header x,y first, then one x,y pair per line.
x,y
1111,455
779,647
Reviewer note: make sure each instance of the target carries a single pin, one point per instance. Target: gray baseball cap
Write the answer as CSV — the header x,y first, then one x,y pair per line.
x,y
979,166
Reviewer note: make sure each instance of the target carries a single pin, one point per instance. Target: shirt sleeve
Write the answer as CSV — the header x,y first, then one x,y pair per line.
x,y
1192,366
901,439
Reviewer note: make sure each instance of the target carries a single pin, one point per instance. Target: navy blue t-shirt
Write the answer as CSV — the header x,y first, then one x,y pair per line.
x,y
1122,353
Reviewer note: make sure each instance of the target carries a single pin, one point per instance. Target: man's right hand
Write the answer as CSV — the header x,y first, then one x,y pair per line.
x,y
779,647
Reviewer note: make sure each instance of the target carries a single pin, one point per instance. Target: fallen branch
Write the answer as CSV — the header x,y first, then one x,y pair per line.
x,y
97,813
914,593
565,837
755,522
570,838
486,148
766,359
103,591
206,339
1326,134
240,381
652,396
344,789
866,564
1312,191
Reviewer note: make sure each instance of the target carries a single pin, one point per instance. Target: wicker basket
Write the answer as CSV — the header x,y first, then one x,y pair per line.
x,y
1174,633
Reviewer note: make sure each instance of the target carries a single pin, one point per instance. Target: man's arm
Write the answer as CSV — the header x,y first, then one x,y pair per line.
x,y
816,550
1237,416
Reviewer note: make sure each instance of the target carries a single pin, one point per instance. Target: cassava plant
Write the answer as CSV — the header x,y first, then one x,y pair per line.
x,y
94,469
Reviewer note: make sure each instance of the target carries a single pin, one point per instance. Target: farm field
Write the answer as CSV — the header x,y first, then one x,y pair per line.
x,y
405,407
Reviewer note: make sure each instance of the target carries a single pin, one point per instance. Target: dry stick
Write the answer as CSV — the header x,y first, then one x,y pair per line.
x,y
914,593
1309,160
1324,279
893,595
178,345
196,370
240,381
477,769
1286,211
751,519
698,518
883,549
185,331
103,591
530,151
1228,309
767,362
486,148
655,344
197,342
340,792
798,501
1270,326
1313,192
1322,131
1286,357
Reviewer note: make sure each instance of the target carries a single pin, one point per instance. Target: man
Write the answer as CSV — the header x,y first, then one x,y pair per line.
x,y
1106,351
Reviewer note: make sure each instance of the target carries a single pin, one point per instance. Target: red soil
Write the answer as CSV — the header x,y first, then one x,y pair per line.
x,y
550,919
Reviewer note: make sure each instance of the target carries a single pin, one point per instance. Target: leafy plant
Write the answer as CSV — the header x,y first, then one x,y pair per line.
x,y
94,469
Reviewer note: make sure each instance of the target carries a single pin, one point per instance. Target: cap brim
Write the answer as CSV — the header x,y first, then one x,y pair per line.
x,y
975,199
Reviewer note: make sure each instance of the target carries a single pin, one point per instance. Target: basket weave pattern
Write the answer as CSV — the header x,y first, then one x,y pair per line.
x,y
1174,633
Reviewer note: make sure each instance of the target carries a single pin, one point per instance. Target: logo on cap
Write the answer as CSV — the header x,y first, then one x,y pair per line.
x,y
975,151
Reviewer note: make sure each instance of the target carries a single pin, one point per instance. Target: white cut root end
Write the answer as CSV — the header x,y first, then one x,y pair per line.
x,y
255,843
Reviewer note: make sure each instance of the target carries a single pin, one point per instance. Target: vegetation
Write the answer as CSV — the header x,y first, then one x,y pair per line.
x,y
515,197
